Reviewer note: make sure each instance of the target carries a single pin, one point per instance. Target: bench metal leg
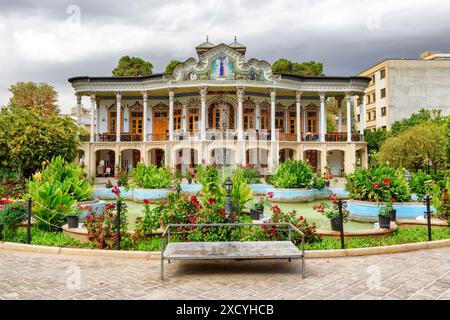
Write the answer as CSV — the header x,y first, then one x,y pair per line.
x,y
168,261
162,269
289,259
303,267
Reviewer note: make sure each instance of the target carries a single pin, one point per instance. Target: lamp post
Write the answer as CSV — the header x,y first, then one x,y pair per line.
x,y
407,176
228,203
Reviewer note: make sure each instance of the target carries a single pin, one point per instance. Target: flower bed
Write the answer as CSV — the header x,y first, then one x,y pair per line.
x,y
304,195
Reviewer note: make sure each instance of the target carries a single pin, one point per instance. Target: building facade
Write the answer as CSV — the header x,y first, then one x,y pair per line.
x,y
218,109
399,88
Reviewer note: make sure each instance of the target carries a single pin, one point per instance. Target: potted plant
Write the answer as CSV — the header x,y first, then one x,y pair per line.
x,y
257,210
384,215
73,218
189,175
123,179
331,211
109,184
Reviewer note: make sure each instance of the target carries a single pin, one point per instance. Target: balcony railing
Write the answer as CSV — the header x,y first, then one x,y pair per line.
x,y
250,135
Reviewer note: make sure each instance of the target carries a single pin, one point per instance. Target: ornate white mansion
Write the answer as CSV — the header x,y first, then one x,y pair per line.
x,y
219,109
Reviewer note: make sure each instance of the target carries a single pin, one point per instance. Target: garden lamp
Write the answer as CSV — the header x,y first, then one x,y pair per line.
x,y
228,203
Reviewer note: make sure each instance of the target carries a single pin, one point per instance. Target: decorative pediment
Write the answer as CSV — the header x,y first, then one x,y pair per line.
x,y
222,63
160,106
136,106
311,106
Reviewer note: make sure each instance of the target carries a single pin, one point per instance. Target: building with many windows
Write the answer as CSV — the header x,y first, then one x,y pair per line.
x,y
219,109
400,87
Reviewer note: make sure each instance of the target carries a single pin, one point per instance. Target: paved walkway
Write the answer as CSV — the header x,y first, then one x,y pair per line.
x,y
415,275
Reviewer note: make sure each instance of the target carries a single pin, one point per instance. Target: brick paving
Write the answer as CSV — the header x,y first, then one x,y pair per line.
x,y
414,275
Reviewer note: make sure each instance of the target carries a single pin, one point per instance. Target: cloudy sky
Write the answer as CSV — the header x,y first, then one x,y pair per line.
x,y
50,41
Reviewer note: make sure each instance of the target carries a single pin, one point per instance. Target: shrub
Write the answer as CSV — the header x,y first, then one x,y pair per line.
x,y
421,183
378,184
441,201
293,174
51,203
318,182
12,213
69,174
150,177
102,228
250,174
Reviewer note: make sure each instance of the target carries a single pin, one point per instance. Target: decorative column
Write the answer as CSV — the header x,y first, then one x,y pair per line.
x,y
93,102
145,100
305,129
150,124
362,114
273,96
286,120
240,129
79,109
185,117
258,116
339,102
203,92
118,118
171,96
348,97
298,96
323,122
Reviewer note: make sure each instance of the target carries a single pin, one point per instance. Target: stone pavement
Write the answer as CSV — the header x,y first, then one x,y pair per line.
x,y
420,275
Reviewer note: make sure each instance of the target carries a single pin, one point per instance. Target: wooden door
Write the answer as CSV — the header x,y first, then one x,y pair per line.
x,y
280,121
265,119
249,118
160,124
177,119
292,126
136,123
312,122
193,120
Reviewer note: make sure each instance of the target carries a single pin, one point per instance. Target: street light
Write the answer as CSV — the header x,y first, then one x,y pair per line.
x,y
228,203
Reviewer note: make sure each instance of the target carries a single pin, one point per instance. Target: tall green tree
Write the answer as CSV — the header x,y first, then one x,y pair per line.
x,y
41,97
422,116
415,148
308,68
132,66
172,64
29,138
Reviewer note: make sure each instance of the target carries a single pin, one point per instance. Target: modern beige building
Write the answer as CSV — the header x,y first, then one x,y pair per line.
x,y
400,87
222,109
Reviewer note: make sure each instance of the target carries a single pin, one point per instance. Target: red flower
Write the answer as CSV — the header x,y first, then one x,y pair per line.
x,y
276,209
387,181
222,212
146,201
300,218
116,191
212,200
375,185
270,194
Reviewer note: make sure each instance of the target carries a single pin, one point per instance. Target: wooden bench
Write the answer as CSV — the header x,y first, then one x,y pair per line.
x,y
232,250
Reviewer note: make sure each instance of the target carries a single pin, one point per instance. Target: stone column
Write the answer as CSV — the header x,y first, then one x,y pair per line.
x,y
171,96
145,115
362,114
273,96
240,98
93,103
79,109
286,120
258,116
203,92
118,118
348,98
339,102
304,121
323,122
298,96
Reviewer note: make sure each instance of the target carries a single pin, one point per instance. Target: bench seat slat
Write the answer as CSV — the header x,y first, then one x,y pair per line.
x,y
232,250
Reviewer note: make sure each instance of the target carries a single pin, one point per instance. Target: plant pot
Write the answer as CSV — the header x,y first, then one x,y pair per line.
x,y
327,183
336,224
393,215
119,183
189,180
256,214
73,221
384,222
